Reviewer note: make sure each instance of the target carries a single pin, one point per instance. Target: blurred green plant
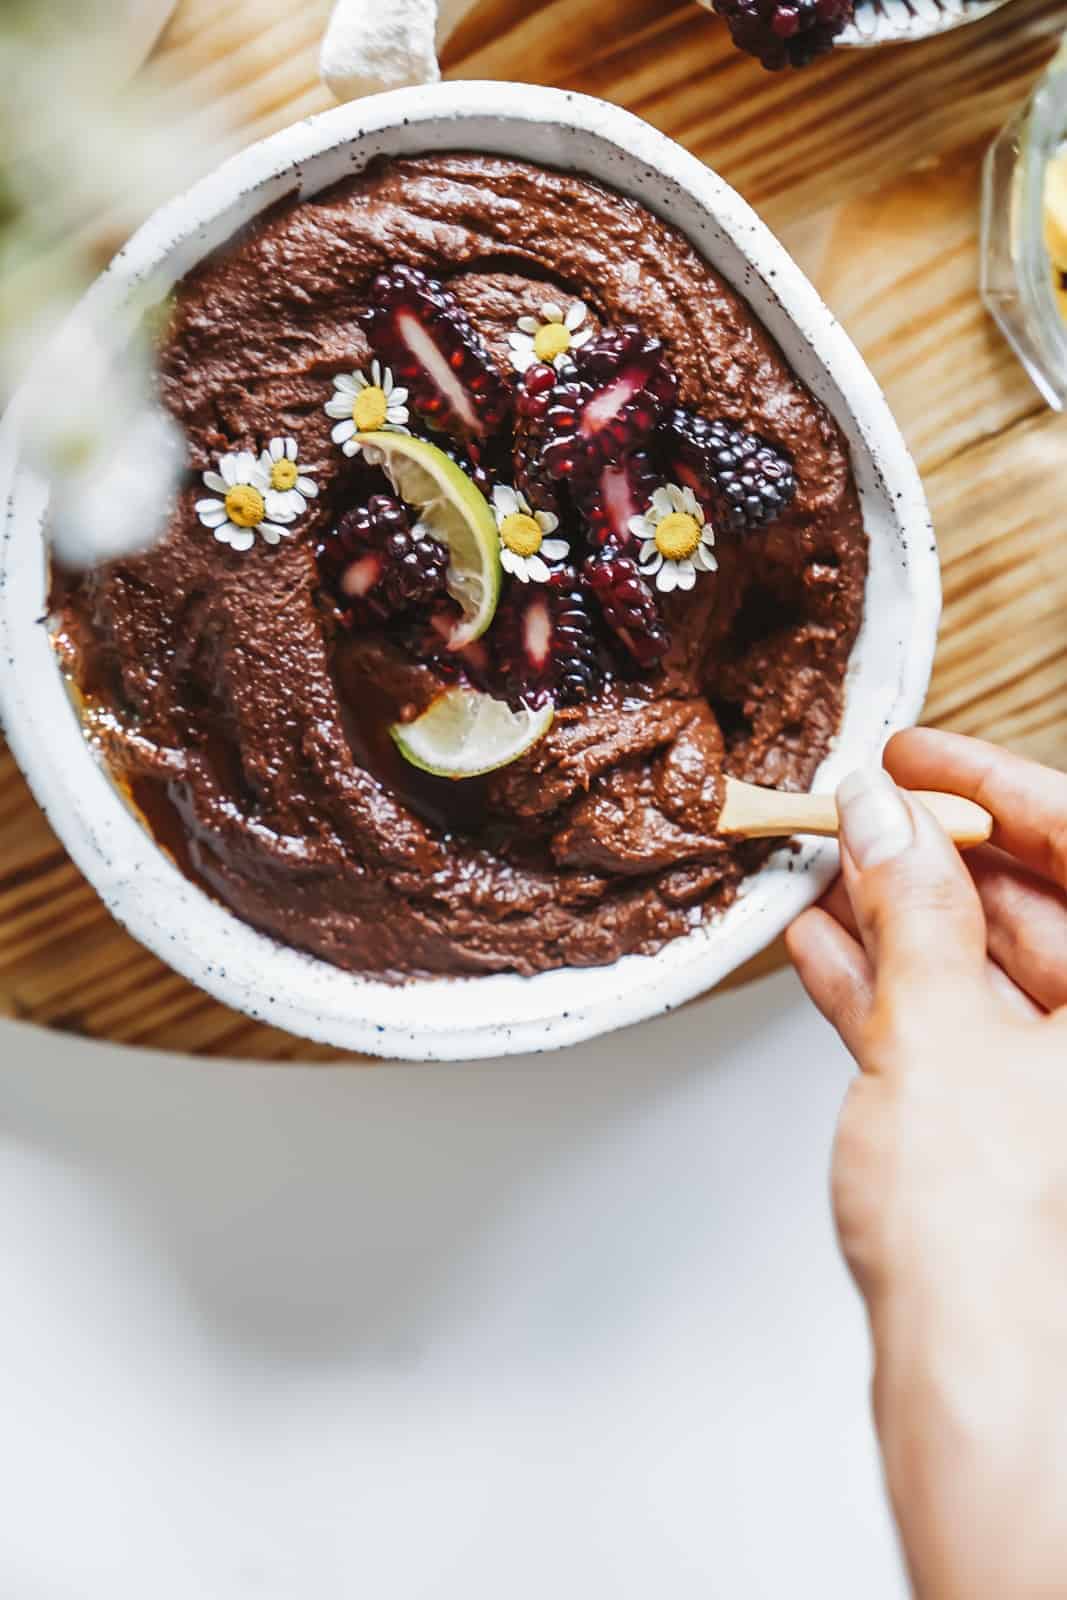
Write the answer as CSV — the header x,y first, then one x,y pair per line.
x,y
85,153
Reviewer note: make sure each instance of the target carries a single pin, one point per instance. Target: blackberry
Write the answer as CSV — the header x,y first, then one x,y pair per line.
x,y
622,386
531,408
543,644
378,564
619,493
785,33
749,481
415,325
578,671
628,606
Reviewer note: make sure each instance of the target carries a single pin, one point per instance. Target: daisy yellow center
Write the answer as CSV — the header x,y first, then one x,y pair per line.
x,y
283,476
244,506
550,341
521,534
370,410
677,536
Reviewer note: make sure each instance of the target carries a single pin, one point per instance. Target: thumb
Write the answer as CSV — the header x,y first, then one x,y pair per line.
x,y
915,904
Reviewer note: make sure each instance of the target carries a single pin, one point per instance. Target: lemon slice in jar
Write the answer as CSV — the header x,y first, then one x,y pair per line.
x,y
466,733
457,514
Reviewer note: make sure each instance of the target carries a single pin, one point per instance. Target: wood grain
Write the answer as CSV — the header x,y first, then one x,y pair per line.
x,y
868,167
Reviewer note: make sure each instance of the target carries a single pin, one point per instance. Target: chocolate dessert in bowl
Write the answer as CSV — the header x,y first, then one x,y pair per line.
x,y
531,490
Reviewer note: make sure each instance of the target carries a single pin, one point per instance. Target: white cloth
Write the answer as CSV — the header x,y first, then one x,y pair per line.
x,y
372,45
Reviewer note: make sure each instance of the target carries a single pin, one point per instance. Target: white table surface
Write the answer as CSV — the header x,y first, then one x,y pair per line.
x,y
567,1326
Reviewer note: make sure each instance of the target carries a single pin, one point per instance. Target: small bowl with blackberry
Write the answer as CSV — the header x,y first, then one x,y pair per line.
x,y
531,493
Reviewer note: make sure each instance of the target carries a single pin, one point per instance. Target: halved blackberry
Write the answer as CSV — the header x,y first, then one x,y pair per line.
x,y
628,606
579,675
532,404
544,646
378,564
619,493
785,33
423,333
749,481
622,387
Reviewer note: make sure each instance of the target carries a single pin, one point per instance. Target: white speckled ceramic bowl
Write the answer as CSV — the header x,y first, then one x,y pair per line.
x,y
448,1019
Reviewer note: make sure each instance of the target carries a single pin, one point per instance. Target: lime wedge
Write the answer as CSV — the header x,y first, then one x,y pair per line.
x,y
465,733
1056,210
457,514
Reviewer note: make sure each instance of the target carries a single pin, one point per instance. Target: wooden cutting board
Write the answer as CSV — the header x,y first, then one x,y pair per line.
x,y
867,166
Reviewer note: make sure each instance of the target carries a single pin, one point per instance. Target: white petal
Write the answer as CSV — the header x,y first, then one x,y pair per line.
x,y
528,325
259,477
649,568
552,312
376,372
649,549
213,519
522,341
667,578
687,575
397,415
398,397
345,383
703,559
207,504
707,534
352,447
575,315
212,480
242,539
307,486
547,521
275,449
505,500
661,504
537,569
642,527
522,360
344,430
339,406
691,504
676,496
291,451
511,562
582,337
225,531
555,549
394,427
270,533
246,466
228,468
285,504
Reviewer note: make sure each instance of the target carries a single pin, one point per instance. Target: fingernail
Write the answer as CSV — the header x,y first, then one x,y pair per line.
x,y
875,822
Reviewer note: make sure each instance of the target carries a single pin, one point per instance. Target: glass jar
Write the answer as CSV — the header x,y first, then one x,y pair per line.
x,y
1019,283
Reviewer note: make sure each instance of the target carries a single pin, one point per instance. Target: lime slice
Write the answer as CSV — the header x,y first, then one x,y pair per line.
x,y
1056,210
457,514
465,733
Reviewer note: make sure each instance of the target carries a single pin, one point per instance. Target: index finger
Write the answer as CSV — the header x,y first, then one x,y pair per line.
x,y
1028,801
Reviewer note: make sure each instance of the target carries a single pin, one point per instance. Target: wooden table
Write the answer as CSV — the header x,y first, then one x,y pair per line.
x,y
867,166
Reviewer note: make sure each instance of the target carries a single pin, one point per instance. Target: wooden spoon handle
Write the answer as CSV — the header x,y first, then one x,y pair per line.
x,y
769,814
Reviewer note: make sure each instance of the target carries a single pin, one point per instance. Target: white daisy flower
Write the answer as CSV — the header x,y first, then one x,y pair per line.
x,y
289,487
550,339
676,539
526,549
244,484
366,405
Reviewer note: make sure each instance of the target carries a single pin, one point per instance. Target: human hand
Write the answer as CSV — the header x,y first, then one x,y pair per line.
x,y
948,983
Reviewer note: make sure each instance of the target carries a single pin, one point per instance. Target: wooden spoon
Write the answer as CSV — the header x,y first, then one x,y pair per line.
x,y
755,813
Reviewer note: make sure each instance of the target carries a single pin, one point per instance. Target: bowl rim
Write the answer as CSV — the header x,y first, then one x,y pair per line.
x,y
139,883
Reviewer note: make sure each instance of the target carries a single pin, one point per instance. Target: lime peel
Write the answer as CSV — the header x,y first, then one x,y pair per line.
x,y
466,733
455,512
